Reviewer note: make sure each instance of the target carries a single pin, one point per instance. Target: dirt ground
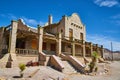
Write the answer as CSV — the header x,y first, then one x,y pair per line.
x,y
47,73
112,74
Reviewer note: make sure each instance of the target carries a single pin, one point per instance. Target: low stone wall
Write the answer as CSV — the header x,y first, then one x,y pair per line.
x,y
4,60
77,64
42,58
64,57
108,56
116,56
56,63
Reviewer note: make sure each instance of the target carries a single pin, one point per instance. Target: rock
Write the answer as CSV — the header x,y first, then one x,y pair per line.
x,y
106,70
2,78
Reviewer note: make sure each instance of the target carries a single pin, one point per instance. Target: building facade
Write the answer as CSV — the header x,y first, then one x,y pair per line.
x,y
68,37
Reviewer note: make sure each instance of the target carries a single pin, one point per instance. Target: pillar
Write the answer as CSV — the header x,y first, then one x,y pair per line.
x,y
12,37
73,48
58,46
97,48
40,38
91,49
84,51
12,60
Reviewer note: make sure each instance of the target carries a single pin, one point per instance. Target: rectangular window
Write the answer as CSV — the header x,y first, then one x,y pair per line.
x,y
81,36
44,46
53,47
70,34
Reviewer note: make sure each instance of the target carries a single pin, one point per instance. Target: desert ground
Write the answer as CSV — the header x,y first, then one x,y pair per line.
x,y
48,73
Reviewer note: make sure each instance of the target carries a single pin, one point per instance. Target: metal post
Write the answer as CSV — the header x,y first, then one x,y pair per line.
x,y
112,50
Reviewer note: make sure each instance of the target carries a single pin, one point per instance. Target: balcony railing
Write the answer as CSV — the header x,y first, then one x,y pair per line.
x,y
26,51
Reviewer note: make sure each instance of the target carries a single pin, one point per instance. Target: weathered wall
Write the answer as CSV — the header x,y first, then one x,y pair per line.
x,y
3,41
28,44
68,48
116,56
73,22
54,30
108,56
78,50
1,34
61,27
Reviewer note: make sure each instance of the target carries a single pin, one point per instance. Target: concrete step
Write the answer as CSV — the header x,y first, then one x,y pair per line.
x,y
68,69
47,60
81,59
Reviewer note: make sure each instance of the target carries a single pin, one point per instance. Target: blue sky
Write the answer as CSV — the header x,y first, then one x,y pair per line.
x,y
101,17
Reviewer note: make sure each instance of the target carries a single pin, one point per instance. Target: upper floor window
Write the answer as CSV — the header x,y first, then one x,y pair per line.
x,y
81,36
77,26
70,34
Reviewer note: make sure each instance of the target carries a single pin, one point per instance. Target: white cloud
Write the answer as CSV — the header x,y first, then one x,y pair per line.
x,y
111,31
105,41
115,19
29,21
117,22
2,15
106,3
32,22
116,16
9,16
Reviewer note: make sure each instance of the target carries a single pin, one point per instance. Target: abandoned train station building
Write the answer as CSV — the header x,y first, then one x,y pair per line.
x,y
67,37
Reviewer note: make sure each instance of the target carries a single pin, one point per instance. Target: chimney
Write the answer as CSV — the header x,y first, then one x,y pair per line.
x,y
50,19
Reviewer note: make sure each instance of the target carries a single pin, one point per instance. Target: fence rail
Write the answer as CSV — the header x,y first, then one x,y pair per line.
x,y
26,51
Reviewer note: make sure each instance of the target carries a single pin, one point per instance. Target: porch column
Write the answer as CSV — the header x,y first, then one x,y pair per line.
x,y
84,51
97,48
91,49
12,60
58,46
73,48
40,38
12,37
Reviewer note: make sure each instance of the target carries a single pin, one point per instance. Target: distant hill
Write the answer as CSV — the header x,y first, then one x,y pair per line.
x,y
116,51
109,51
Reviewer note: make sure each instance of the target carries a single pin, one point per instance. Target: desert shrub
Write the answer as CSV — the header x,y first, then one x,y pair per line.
x,y
22,67
93,63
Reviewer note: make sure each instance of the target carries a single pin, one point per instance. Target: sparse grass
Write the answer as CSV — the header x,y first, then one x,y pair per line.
x,y
22,67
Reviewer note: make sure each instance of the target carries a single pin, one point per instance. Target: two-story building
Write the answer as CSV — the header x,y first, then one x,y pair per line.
x,y
68,36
